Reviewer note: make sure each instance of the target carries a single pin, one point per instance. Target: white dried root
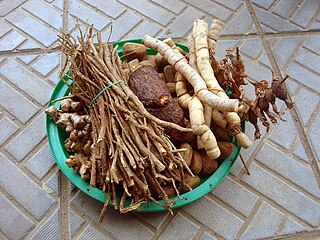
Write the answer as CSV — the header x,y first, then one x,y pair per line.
x,y
181,65
200,34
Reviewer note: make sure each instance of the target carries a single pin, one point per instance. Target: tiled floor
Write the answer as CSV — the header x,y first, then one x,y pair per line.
x,y
281,197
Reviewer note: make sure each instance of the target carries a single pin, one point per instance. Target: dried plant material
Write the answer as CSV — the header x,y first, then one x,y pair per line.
x,y
161,62
172,88
226,149
129,148
148,63
196,162
69,105
187,154
149,88
191,181
134,51
133,65
259,108
169,74
215,30
279,90
209,166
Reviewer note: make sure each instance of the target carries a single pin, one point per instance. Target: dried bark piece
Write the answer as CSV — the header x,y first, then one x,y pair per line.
x,y
149,88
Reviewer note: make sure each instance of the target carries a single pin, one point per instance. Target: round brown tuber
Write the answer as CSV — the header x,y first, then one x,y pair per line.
x,y
169,73
196,162
186,155
161,62
226,148
193,182
209,166
134,51
219,133
182,137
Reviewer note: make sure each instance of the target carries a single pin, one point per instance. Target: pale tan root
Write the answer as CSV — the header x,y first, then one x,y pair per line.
x,y
213,36
201,129
67,121
207,111
182,66
200,33
171,43
196,117
214,33
182,91
245,141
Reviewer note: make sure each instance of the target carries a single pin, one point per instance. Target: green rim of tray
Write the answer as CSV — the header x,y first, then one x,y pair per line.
x,y
56,137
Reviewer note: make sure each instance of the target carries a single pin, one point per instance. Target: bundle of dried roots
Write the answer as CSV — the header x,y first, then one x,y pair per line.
x,y
129,149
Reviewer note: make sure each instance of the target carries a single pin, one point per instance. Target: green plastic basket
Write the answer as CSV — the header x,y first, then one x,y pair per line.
x,y
57,136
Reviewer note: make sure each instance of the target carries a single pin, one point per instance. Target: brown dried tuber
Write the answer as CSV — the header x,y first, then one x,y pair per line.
x,y
191,181
226,149
196,162
149,88
134,51
169,73
209,166
161,62
187,154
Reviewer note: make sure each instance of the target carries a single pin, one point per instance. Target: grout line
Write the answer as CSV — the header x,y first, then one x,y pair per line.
x,y
294,11
18,6
3,236
294,113
274,204
248,220
289,182
226,206
202,226
90,221
10,198
165,223
198,234
64,213
65,189
80,230
282,225
142,221
306,235
289,152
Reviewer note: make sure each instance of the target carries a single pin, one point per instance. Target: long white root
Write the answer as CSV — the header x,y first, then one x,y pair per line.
x,y
199,128
181,65
200,33
214,33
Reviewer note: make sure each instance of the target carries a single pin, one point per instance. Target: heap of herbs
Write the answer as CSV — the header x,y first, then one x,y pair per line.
x,y
147,126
